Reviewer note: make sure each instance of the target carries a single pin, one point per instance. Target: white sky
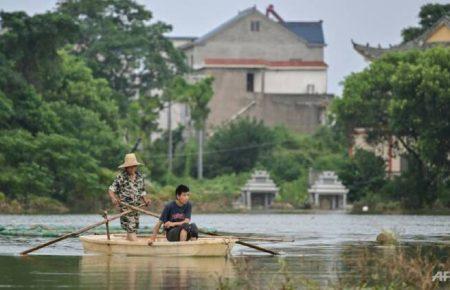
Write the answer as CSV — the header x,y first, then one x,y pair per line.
x,y
375,21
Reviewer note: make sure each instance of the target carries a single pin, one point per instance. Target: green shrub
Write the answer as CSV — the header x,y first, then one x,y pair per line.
x,y
43,204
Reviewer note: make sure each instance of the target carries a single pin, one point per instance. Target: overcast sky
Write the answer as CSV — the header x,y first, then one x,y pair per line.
x,y
374,21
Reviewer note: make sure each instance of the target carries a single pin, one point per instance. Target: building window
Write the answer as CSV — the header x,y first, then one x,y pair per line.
x,y
250,82
254,25
310,89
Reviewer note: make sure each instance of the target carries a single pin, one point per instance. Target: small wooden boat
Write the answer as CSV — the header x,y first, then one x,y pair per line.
x,y
204,246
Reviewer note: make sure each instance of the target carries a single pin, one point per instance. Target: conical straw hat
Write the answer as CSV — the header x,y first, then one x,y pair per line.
x,y
130,160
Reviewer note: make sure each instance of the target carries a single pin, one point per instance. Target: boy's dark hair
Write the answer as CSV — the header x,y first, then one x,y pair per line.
x,y
180,189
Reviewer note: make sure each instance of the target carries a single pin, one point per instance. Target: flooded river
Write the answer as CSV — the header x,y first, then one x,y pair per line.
x,y
323,254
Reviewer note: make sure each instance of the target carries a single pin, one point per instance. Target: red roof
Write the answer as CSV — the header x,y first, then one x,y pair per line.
x,y
262,62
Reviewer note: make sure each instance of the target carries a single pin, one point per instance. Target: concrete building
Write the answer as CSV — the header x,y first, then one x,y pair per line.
x,y
259,191
267,69
327,192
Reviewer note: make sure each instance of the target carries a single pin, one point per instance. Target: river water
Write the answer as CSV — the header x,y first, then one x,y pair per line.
x,y
323,242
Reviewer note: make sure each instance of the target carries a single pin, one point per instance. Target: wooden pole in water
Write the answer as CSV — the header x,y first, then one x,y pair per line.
x,y
206,232
73,234
105,216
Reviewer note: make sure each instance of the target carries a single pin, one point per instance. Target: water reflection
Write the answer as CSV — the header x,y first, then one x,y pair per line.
x,y
125,272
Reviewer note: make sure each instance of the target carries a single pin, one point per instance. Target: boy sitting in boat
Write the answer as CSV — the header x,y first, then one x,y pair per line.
x,y
176,218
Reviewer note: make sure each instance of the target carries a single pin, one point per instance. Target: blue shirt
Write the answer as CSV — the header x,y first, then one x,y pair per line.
x,y
174,213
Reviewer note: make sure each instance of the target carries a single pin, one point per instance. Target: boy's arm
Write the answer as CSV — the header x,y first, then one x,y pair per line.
x,y
174,224
155,231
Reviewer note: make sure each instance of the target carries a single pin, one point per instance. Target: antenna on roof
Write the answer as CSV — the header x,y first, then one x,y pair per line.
x,y
271,10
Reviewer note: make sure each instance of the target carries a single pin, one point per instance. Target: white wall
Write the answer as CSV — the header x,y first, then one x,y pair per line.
x,y
292,81
180,116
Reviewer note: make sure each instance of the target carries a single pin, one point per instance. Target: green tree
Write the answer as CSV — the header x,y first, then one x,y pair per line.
x,y
364,174
405,96
238,146
197,96
429,14
58,134
121,44
30,44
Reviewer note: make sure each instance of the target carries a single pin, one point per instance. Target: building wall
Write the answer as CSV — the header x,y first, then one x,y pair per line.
x,y
301,113
392,160
230,94
271,42
282,97
442,34
179,115
291,81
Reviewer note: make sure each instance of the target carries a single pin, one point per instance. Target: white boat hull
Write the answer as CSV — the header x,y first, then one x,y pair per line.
x,y
203,247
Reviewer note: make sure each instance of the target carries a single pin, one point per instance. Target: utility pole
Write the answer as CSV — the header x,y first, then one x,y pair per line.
x,y
200,154
169,127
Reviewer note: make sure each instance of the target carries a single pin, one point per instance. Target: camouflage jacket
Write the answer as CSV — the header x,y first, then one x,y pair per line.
x,y
128,191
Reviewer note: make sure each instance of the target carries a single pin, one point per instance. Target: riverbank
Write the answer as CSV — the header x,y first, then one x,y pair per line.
x,y
214,205
206,204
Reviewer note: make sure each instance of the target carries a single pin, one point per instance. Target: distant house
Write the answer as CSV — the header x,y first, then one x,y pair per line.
x,y
271,70
327,192
438,34
259,191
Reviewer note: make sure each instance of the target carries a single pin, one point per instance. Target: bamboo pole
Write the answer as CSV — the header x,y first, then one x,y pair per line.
x,y
206,232
73,234
105,216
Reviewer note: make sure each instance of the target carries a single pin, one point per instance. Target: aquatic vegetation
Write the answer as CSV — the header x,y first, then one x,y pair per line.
x,y
397,267
387,237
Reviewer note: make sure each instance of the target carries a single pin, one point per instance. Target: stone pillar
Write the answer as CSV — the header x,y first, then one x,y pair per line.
x,y
344,200
249,200
266,200
316,199
333,201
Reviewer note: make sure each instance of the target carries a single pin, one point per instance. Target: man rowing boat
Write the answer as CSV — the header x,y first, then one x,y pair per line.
x,y
129,188
176,218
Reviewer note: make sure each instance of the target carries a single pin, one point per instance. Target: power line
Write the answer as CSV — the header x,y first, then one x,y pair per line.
x,y
241,148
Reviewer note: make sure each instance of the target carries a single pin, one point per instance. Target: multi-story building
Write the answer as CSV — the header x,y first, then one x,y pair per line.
x,y
264,68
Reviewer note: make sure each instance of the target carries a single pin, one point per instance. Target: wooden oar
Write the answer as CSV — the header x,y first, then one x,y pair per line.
x,y
247,238
73,234
250,238
205,232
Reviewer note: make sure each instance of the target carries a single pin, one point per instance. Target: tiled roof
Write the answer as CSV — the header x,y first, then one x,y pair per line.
x,y
310,31
370,52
